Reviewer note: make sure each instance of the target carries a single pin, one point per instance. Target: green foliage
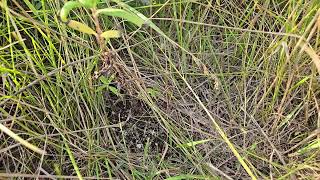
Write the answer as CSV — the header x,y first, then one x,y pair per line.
x,y
122,14
89,3
314,145
153,91
47,93
68,6
113,12
106,85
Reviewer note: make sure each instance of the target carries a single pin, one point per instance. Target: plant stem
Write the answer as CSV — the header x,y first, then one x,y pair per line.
x,y
104,50
100,39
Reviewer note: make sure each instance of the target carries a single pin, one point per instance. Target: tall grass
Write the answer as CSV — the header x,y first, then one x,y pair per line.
x,y
212,89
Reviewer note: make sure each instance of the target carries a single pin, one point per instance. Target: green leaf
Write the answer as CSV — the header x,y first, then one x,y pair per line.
x,y
73,161
302,81
5,97
6,70
31,6
291,115
101,88
104,80
88,3
67,7
111,78
131,17
153,92
114,90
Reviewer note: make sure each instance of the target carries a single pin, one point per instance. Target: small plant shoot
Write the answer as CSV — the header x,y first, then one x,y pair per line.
x,y
113,12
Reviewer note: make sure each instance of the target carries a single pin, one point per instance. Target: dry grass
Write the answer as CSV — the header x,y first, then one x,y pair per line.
x,y
230,90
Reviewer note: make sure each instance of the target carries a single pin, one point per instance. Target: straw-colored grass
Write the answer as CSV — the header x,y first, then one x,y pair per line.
x,y
205,90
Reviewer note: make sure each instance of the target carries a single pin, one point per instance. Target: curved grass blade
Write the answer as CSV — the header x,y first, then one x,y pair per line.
x,y
313,145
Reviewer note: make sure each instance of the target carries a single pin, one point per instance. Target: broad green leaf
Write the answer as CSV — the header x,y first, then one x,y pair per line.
x,y
88,3
67,7
153,92
114,90
104,80
131,17
101,88
111,78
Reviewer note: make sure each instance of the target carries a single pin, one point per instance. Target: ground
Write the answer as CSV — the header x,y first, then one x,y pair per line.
x,y
230,90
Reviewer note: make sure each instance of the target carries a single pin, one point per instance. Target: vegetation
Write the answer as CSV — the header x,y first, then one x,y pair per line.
x,y
161,89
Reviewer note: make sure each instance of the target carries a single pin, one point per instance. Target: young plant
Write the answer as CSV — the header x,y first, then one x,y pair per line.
x,y
106,84
113,12
101,36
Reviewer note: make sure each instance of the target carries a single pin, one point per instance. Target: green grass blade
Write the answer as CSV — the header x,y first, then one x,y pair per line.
x,y
73,161
194,143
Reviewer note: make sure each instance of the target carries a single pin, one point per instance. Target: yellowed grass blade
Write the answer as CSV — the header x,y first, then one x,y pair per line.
x,y
81,27
111,34
312,53
20,140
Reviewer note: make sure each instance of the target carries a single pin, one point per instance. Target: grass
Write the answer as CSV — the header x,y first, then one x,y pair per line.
x,y
210,90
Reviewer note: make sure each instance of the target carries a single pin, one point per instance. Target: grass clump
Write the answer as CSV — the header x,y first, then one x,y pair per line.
x,y
206,90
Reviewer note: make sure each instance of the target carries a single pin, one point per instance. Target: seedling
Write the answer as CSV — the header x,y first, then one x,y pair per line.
x,y
106,84
102,36
92,4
